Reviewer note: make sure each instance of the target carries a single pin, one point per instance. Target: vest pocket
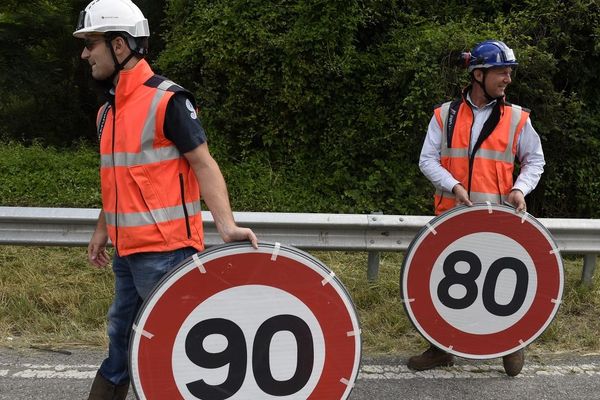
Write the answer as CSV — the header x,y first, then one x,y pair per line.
x,y
155,212
504,180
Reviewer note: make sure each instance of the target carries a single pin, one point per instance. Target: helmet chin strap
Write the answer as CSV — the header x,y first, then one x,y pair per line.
x,y
485,92
109,82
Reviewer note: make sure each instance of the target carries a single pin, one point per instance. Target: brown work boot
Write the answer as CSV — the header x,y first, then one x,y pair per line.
x,y
513,363
431,358
103,389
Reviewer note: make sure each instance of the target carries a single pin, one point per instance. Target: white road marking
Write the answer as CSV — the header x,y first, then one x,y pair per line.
x,y
386,372
392,372
48,371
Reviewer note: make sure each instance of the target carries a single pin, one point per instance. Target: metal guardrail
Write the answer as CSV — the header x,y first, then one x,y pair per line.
x,y
309,231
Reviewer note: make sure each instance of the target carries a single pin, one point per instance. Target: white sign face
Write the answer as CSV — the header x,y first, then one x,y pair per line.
x,y
458,295
248,308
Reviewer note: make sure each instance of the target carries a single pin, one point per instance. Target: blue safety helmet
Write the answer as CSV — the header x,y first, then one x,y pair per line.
x,y
491,53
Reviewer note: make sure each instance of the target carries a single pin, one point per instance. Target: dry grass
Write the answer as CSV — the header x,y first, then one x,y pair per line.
x,y
387,330
51,297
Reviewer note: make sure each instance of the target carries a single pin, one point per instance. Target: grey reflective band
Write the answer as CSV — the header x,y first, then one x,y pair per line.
x,y
455,152
476,197
148,156
149,131
515,118
152,217
495,155
444,110
503,156
167,84
148,153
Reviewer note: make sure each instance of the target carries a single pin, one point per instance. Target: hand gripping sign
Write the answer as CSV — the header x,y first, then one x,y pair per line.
x,y
234,323
482,281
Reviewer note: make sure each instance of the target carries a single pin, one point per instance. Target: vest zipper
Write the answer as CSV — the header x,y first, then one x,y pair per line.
x,y
185,212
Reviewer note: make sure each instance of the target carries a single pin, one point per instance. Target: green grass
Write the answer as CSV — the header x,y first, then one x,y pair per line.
x,y
52,297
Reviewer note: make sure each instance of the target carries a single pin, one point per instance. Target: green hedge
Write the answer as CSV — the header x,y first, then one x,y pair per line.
x,y
48,177
312,105
341,92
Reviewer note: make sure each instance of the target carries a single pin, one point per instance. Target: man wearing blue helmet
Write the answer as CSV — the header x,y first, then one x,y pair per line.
x,y
469,153
491,55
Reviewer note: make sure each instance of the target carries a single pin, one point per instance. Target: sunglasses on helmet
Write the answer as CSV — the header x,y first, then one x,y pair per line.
x,y
81,20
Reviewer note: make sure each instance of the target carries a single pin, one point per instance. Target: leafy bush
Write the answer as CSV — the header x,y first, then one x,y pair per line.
x,y
343,96
322,106
48,177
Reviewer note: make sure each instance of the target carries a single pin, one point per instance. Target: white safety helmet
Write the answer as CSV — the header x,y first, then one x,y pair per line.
x,y
103,16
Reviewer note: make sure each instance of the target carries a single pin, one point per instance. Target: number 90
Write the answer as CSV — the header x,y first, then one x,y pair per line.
x,y
236,356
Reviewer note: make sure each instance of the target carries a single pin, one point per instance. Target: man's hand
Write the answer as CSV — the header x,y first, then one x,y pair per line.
x,y
517,199
237,234
462,197
97,255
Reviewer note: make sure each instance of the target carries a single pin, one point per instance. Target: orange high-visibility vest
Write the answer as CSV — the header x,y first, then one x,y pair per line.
x,y
488,173
150,194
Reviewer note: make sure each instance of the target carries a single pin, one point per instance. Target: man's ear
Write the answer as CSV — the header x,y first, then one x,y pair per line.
x,y
119,46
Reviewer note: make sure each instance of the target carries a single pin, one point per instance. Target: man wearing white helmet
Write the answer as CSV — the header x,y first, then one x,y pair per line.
x,y
469,153
154,160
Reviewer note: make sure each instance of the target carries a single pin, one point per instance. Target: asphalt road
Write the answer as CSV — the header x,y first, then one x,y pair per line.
x,y
67,374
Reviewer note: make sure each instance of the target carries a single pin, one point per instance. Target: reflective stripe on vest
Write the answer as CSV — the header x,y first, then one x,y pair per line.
x,y
153,216
147,156
476,197
505,156
148,153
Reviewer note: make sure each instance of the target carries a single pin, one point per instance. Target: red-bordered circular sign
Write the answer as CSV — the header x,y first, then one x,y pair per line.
x,y
482,281
235,322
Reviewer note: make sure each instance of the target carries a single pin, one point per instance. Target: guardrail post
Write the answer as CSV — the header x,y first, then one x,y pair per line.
x,y
373,258
373,266
589,266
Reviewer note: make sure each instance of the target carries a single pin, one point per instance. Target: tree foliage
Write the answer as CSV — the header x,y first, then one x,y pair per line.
x,y
40,81
320,105
46,90
343,91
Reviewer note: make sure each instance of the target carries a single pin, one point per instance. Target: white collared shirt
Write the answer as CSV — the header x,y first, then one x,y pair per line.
x,y
529,152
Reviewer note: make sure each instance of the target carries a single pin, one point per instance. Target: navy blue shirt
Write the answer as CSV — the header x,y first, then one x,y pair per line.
x,y
182,125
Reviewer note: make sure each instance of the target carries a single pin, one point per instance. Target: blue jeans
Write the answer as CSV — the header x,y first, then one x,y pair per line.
x,y
135,277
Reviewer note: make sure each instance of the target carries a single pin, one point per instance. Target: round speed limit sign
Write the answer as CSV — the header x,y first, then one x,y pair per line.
x,y
236,322
482,281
